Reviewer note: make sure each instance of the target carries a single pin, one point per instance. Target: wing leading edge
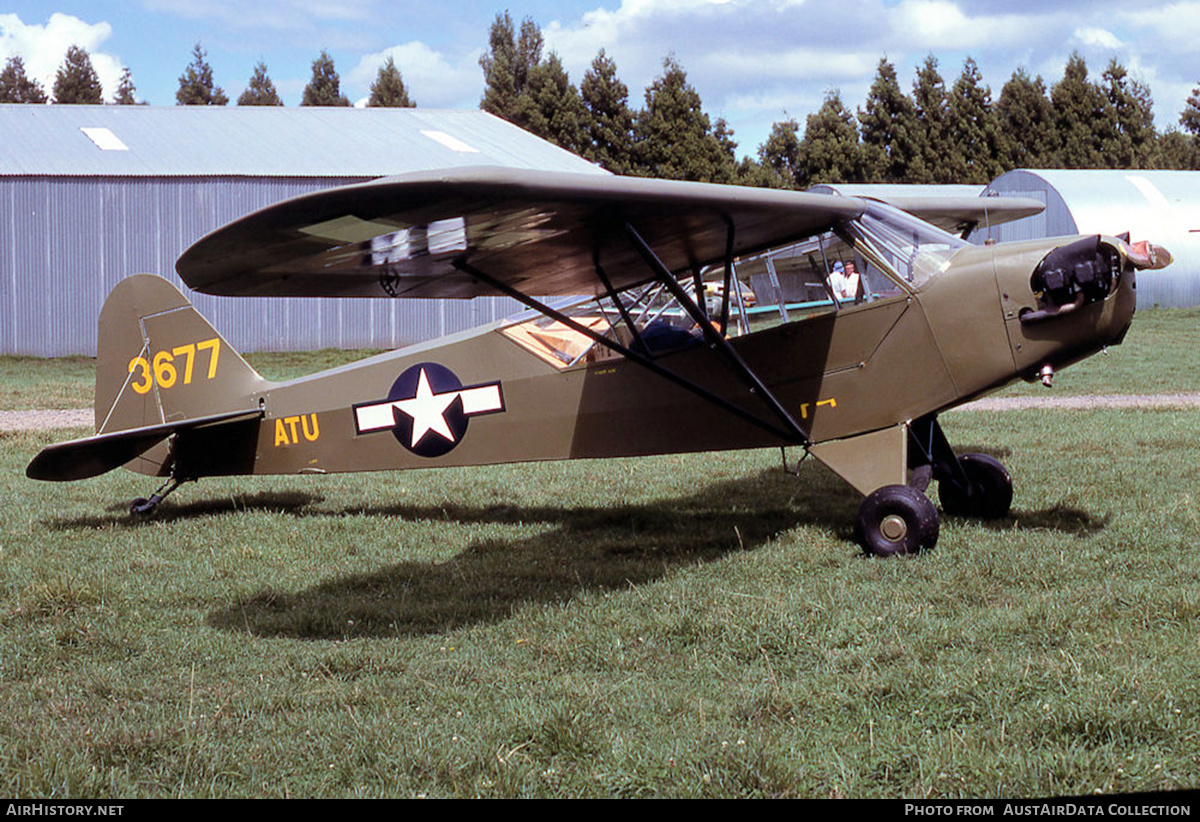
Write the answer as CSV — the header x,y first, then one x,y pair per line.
x,y
540,233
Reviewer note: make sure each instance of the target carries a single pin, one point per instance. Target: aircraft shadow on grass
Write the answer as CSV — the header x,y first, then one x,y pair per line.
x,y
591,549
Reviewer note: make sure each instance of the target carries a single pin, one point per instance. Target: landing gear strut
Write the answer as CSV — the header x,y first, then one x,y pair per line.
x,y
973,485
142,506
900,519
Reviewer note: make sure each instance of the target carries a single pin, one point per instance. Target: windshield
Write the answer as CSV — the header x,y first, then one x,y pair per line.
x,y
913,249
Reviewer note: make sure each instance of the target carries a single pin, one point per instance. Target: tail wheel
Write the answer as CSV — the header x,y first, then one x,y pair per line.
x,y
989,495
896,519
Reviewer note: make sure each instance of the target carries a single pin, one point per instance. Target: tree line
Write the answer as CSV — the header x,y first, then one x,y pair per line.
x,y
939,133
76,82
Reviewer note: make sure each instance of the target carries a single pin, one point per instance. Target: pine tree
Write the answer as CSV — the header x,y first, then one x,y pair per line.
x,y
830,151
16,86
1189,118
388,90
931,104
1027,126
1080,111
889,129
1130,139
196,87
507,66
778,157
674,137
126,90
76,82
1178,150
609,120
551,107
260,91
723,134
324,89
972,128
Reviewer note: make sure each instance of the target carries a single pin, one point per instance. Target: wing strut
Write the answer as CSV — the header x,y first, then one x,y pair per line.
x,y
716,340
728,279
786,428
647,363
612,295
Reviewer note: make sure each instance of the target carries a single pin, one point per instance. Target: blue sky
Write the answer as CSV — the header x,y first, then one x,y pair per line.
x,y
753,61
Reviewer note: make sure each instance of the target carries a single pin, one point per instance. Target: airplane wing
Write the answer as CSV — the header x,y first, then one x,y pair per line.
x,y
538,233
959,215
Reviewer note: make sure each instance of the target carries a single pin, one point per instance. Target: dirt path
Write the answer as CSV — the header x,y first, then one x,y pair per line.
x,y
1050,401
82,417
43,420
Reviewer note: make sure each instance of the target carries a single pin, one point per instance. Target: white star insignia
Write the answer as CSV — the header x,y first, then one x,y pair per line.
x,y
427,409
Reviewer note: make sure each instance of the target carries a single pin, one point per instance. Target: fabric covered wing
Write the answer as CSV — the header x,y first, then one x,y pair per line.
x,y
959,215
542,233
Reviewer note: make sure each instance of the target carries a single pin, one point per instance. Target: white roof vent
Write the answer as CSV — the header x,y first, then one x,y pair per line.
x,y
104,139
450,142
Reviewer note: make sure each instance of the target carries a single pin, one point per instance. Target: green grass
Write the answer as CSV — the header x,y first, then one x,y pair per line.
x,y
676,626
1160,354
695,626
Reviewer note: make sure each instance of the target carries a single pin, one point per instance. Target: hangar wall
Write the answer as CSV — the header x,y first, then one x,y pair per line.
x,y
92,194
65,242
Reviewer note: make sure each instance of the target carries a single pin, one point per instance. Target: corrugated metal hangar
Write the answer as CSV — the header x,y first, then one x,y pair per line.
x,y
1160,206
92,194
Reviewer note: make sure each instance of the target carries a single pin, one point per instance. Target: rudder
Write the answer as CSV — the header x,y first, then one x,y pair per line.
x,y
159,361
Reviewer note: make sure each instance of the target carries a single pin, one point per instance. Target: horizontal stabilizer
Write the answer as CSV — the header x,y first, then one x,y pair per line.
x,y
93,456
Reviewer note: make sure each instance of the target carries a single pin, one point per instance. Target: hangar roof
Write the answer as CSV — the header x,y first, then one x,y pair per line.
x,y
262,141
1157,203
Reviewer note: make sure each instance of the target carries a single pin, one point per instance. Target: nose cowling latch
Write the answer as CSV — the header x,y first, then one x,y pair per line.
x,y
1072,276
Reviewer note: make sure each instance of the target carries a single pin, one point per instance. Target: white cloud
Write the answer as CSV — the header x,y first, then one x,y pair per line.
x,y
1102,38
432,80
42,48
940,24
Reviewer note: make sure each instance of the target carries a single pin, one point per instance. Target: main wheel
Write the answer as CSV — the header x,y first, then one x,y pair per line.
x,y
991,489
896,519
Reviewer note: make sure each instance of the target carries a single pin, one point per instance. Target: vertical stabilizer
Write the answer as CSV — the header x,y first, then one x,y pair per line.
x,y
160,362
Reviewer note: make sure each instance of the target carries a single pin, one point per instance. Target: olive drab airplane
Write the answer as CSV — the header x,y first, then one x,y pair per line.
x,y
662,317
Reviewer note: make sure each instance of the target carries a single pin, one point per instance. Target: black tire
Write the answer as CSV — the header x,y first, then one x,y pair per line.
x,y
991,489
896,519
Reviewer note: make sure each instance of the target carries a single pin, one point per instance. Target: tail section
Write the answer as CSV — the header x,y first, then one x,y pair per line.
x,y
172,397
162,369
160,362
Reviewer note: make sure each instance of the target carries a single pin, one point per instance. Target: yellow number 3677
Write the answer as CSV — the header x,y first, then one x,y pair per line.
x,y
164,372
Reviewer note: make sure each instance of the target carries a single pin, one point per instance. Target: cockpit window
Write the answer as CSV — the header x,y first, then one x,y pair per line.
x,y
876,256
912,249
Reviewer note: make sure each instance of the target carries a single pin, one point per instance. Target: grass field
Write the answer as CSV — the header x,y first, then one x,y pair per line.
x,y
680,626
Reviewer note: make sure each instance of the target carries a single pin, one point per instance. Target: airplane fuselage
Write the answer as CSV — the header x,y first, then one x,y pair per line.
x,y
481,397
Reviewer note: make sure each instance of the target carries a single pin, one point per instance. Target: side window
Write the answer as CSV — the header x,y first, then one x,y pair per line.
x,y
815,277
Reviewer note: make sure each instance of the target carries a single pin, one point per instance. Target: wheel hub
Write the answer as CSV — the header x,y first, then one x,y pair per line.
x,y
893,528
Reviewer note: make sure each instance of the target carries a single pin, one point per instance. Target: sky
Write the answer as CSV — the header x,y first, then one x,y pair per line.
x,y
754,62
